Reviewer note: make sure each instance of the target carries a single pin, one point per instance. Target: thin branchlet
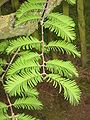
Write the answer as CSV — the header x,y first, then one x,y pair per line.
x,y
45,10
2,80
9,64
42,32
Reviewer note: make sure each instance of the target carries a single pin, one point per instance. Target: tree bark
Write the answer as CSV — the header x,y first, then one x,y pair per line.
x,y
7,22
65,8
81,25
66,12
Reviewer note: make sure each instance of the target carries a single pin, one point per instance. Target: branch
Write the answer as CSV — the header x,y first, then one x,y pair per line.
x,y
7,22
12,59
42,32
11,108
2,80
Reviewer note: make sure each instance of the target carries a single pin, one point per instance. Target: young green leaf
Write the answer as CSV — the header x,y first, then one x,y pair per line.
x,y
21,65
3,107
23,42
71,90
25,117
28,103
62,27
18,84
63,47
64,68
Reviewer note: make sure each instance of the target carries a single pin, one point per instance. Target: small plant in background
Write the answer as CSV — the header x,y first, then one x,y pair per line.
x,y
28,66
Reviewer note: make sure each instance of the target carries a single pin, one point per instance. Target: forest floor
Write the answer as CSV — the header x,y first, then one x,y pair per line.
x,y
56,108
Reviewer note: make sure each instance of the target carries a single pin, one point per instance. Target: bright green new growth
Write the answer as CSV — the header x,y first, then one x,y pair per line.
x,y
63,47
31,11
17,84
71,90
25,117
28,103
62,25
24,43
25,72
64,68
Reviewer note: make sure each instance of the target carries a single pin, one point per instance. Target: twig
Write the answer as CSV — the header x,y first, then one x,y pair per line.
x,y
10,105
42,32
9,64
8,99
45,10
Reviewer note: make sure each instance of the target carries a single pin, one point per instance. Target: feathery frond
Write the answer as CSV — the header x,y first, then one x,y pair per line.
x,y
18,84
28,103
37,1
63,47
30,10
23,42
4,117
26,117
24,62
62,26
71,90
28,56
1,70
30,6
24,19
63,19
3,46
24,71
64,68
2,62
22,65
21,53
30,92
3,107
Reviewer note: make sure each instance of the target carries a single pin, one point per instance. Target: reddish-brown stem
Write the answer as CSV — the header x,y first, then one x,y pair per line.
x,y
42,32
9,64
43,58
10,106
3,76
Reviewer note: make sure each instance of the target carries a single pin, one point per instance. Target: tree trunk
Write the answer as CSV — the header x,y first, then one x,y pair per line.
x,y
66,12
65,8
81,25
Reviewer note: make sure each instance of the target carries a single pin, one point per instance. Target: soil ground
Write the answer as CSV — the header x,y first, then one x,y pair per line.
x,y
56,108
